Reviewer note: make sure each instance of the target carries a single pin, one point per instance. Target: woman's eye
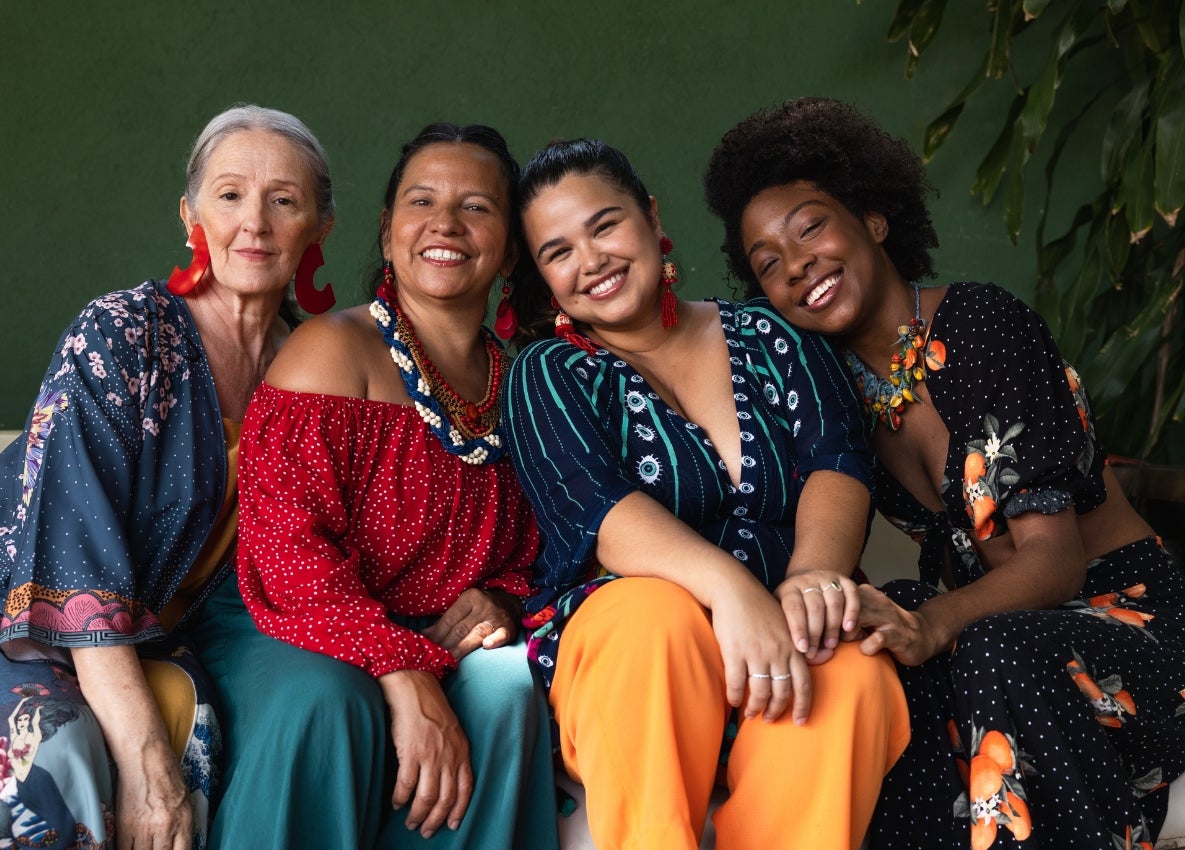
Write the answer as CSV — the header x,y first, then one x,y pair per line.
x,y
557,254
764,266
229,196
284,202
476,208
604,227
813,227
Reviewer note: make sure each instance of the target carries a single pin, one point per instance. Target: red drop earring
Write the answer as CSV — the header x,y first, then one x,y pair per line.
x,y
668,278
182,281
505,319
311,299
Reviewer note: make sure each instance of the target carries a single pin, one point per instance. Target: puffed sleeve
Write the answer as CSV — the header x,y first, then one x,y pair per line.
x,y
812,392
563,452
1016,411
299,575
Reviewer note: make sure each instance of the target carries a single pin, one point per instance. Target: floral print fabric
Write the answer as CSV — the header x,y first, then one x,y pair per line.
x,y
105,502
1051,728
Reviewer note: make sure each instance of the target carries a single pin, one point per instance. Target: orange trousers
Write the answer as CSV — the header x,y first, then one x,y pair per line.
x,y
639,697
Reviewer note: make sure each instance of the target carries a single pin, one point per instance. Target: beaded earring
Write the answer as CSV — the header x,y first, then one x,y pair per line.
x,y
182,281
670,303
505,319
311,299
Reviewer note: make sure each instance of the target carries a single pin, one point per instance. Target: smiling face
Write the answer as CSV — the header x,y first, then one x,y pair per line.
x,y
258,208
447,233
821,266
597,250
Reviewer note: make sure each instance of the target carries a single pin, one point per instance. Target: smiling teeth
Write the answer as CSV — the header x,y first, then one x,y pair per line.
x,y
822,289
606,285
442,254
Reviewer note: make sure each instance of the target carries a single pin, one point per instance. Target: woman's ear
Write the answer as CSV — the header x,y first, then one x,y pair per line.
x,y
326,229
877,225
188,216
652,214
384,233
511,258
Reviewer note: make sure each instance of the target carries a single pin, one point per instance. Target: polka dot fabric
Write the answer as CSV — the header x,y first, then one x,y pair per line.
x,y
1051,729
350,510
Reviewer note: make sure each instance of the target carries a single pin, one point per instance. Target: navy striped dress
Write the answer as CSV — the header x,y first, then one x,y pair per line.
x,y
586,430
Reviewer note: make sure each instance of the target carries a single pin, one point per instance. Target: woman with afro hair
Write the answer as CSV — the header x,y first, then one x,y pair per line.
x,y
1045,684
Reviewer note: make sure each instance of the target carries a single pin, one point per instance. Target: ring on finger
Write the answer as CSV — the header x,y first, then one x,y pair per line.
x,y
833,585
761,676
807,590
782,677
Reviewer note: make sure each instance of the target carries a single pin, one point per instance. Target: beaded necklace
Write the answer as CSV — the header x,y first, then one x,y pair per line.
x,y
465,429
885,398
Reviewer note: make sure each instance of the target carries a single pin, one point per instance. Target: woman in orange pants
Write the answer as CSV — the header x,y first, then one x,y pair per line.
x,y
700,477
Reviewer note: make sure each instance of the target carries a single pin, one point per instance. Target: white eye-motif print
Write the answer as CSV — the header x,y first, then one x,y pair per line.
x,y
771,394
649,469
645,433
792,400
635,401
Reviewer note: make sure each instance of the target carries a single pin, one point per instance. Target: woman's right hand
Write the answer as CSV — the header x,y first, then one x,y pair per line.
x,y
434,772
758,651
152,809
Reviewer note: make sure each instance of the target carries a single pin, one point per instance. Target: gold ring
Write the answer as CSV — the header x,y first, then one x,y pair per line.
x,y
807,590
833,585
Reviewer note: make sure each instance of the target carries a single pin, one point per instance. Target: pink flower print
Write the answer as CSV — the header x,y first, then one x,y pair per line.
x,y
77,343
151,427
96,361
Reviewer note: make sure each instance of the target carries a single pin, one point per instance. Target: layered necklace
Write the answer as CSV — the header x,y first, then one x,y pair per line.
x,y
913,355
464,428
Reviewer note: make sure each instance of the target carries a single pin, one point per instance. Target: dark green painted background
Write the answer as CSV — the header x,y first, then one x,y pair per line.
x,y
99,103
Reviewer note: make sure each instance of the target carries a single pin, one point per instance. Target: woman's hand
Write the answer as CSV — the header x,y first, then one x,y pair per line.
x,y
152,810
821,607
434,773
479,618
759,655
908,635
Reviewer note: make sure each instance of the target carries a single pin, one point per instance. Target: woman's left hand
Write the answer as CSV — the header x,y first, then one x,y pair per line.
x,y
478,619
822,607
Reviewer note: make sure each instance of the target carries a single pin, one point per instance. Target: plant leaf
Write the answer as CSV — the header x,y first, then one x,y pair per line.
x,y
999,57
938,129
1169,163
1033,8
921,32
1118,248
1135,191
992,167
1123,128
1014,198
1116,6
903,19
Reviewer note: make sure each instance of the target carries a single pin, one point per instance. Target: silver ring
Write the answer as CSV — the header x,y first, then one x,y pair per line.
x,y
760,676
833,585
782,678
807,590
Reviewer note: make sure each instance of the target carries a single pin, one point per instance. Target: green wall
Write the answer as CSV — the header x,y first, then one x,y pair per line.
x,y
101,101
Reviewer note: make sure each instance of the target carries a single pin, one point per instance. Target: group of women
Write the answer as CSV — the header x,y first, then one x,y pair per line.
x,y
635,543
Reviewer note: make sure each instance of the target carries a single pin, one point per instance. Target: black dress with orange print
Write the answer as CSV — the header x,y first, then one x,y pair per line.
x,y
1050,728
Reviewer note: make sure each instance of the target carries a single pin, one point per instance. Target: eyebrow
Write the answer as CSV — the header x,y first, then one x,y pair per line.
x,y
588,222
472,193
759,244
234,175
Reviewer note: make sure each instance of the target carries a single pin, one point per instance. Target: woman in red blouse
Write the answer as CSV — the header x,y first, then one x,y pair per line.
x,y
381,526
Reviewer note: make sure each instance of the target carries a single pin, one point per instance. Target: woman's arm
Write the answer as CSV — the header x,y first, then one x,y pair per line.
x,y
152,808
749,625
1039,564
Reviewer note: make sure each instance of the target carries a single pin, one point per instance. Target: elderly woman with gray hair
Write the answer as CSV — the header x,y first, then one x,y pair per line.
x,y
118,510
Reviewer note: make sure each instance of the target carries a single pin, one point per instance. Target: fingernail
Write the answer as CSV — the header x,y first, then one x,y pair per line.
x,y
802,645
412,827
428,833
799,721
849,625
454,825
831,643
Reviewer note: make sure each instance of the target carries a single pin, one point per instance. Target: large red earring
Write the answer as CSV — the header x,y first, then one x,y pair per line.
x,y
505,319
668,278
183,281
311,299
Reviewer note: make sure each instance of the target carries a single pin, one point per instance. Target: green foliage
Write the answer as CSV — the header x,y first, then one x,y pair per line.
x,y
1110,286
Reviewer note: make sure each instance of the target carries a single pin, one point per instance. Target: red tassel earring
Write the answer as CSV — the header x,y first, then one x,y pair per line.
x,y
668,278
311,299
183,281
505,319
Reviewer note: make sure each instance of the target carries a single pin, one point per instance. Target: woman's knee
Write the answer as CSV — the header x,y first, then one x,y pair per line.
x,y
632,613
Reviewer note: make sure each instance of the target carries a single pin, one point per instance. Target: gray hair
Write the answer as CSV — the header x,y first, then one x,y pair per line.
x,y
246,116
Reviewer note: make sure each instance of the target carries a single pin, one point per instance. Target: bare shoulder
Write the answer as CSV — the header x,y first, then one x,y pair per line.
x,y
328,354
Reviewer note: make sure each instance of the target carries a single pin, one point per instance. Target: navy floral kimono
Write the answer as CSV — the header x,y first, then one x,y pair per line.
x,y
1051,728
106,500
